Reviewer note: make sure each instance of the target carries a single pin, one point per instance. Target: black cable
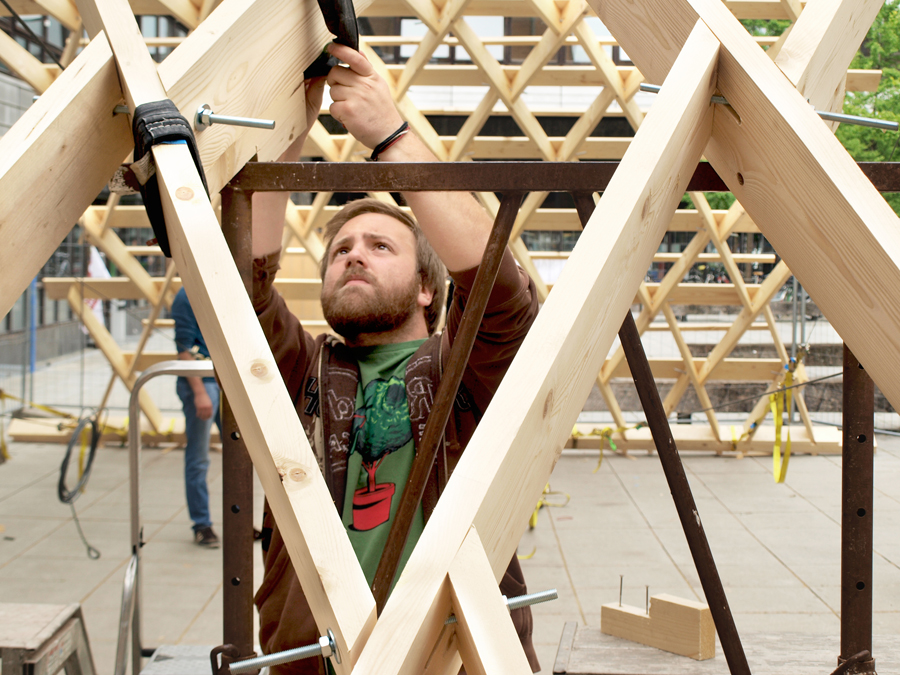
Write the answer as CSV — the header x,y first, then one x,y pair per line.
x,y
768,393
33,34
67,496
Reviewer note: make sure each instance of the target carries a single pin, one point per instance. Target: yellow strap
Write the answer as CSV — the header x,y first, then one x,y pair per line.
x,y
4,451
532,521
32,404
605,434
528,556
777,404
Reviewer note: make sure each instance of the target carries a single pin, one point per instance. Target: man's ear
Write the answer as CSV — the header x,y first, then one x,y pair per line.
x,y
426,295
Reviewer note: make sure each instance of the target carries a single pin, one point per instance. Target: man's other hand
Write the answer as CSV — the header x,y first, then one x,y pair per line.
x,y
203,405
362,100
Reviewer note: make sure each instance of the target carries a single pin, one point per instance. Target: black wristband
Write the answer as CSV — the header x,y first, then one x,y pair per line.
x,y
389,141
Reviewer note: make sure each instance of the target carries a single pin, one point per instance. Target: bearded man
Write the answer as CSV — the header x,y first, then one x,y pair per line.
x,y
364,401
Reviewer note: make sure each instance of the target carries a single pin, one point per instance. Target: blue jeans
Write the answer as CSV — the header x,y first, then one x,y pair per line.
x,y
196,451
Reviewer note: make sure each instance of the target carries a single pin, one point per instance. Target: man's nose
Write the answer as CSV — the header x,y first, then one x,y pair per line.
x,y
355,256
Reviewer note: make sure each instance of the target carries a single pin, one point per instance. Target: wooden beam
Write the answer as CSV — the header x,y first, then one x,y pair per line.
x,y
71,143
819,218
123,288
488,642
281,453
464,75
24,64
113,354
746,370
716,326
743,9
66,138
821,45
699,437
495,487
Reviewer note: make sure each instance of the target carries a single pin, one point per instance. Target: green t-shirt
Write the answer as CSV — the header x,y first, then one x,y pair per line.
x,y
381,454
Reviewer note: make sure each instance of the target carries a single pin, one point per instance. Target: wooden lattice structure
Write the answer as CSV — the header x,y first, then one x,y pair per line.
x,y
783,164
565,26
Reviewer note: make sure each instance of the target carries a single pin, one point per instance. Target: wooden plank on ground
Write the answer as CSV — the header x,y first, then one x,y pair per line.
x,y
699,437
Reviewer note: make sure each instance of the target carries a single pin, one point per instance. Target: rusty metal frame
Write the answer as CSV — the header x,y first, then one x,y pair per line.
x,y
580,179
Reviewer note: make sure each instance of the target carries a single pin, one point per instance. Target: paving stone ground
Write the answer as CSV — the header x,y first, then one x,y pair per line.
x,y
777,546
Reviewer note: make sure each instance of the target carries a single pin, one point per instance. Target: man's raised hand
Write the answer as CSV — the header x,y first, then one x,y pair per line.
x,y
362,101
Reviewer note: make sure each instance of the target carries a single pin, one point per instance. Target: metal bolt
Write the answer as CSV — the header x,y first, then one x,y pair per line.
x,y
824,114
521,601
206,117
621,582
326,646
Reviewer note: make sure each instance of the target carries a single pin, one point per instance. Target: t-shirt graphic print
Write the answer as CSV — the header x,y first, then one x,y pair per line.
x,y
380,427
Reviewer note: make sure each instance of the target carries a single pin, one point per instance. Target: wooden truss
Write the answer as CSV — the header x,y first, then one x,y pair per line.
x,y
447,25
782,162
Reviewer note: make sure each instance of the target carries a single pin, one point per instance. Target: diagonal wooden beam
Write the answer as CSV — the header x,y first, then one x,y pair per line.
x,y
786,168
500,477
113,354
67,138
821,44
488,642
429,43
23,63
70,142
319,548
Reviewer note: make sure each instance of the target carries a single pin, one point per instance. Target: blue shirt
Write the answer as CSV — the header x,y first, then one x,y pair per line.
x,y
187,331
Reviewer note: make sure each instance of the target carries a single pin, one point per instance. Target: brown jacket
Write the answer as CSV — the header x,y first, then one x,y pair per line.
x,y
325,394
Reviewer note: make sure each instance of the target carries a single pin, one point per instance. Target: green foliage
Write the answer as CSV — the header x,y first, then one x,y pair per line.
x,y
880,50
765,27
717,200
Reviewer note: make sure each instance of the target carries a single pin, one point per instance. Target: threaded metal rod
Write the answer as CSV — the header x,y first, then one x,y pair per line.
x,y
521,601
325,646
824,114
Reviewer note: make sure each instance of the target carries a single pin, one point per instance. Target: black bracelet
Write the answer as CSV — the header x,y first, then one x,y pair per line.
x,y
389,141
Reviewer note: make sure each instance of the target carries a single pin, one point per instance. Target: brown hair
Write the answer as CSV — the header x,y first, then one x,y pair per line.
x,y
430,267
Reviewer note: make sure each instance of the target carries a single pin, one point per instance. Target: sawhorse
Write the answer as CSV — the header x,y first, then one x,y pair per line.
x,y
43,639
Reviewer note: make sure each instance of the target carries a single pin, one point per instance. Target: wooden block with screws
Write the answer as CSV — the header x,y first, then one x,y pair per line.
x,y
673,624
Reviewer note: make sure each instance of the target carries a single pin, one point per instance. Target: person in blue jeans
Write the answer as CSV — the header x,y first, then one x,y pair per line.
x,y
200,402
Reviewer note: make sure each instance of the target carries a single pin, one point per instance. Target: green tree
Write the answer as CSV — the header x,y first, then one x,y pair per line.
x,y
879,50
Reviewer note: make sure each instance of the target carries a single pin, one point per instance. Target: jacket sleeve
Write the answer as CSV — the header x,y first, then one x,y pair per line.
x,y
510,311
291,346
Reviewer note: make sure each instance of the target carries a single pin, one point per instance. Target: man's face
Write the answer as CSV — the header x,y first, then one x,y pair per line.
x,y
371,283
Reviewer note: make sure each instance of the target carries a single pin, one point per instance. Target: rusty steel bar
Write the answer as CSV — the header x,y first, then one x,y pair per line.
x,y
503,177
430,443
237,467
856,514
658,423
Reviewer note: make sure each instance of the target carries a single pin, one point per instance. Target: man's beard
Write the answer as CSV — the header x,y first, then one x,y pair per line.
x,y
351,313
